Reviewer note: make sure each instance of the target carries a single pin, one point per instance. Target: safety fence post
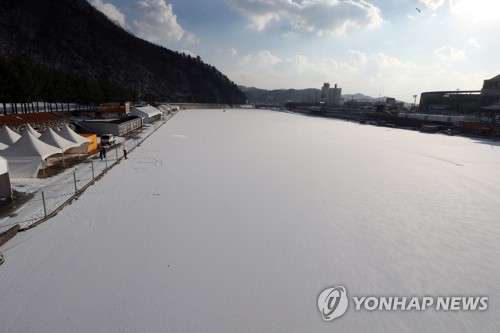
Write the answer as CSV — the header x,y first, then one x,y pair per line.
x,y
74,178
44,207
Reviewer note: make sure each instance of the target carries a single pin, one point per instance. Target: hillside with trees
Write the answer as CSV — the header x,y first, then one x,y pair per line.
x,y
66,50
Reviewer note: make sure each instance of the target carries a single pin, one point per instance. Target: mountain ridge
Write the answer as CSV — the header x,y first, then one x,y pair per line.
x,y
74,38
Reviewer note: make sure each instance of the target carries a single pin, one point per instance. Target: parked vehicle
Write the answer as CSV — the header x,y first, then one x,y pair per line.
x,y
107,139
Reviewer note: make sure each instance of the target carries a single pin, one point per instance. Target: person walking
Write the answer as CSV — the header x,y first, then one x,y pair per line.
x,y
125,153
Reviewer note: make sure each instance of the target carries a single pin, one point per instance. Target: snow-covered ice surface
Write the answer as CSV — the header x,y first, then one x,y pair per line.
x,y
236,221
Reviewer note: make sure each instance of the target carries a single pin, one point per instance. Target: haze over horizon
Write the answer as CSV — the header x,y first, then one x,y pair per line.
x,y
387,48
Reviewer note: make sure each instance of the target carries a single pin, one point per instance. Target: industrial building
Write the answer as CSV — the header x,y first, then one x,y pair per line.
x,y
462,101
450,102
490,94
331,95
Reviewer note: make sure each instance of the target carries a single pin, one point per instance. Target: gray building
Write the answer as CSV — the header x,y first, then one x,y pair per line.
x,y
490,93
462,101
116,127
450,102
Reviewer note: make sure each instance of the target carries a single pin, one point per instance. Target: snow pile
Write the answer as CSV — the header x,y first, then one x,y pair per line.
x,y
236,221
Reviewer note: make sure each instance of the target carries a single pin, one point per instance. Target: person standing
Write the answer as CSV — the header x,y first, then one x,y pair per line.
x,y
125,153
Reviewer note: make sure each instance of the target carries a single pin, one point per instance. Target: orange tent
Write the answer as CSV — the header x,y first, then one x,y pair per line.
x,y
93,141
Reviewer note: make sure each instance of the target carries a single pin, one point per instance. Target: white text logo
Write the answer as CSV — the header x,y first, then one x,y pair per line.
x,y
453,303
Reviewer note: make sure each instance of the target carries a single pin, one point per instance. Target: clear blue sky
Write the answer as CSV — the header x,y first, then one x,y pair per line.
x,y
395,48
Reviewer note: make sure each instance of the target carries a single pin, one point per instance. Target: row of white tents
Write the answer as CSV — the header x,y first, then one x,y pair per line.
x,y
26,152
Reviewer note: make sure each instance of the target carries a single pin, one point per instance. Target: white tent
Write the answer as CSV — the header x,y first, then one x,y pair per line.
x,y
5,186
54,139
31,130
148,113
26,155
83,143
165,108
8,136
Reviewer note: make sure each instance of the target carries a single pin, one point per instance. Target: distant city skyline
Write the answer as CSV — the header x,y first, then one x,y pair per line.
x,y
376,47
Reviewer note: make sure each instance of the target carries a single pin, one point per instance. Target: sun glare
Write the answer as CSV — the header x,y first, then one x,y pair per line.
x,y
476,10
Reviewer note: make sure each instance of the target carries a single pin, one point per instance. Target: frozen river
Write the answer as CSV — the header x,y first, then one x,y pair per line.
x,y
236,221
